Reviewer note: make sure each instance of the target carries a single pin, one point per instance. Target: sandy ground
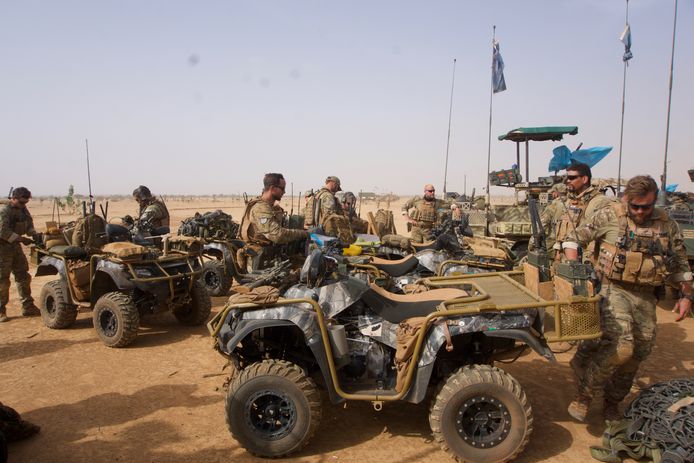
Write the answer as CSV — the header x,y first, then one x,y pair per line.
x,y
160,399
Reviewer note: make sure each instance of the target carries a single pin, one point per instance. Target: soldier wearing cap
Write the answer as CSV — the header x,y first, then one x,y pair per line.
x,y
326,202
15,223
428,211
261,224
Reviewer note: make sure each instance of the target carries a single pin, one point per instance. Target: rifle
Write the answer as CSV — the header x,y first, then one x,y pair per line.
x,y
538,256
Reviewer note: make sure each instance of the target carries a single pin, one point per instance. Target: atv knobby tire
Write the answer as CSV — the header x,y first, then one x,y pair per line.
x,y
116,319
197,310
272,408
480,414
56,310
215,278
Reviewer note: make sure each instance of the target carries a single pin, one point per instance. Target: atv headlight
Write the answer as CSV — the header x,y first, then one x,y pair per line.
x,y
143,273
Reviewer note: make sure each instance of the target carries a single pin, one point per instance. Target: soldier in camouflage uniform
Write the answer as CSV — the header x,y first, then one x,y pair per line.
x,y
15,222
640,249
153,212
261,224
348,202
326,202
579,206
428,212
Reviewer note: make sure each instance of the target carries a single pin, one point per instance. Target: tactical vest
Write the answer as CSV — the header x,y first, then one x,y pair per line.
x,y
159,205
639,254
338,225
246,225
21,222
312,211
425,211
575,211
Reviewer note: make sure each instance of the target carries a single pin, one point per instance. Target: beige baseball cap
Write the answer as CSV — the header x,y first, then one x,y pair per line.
x,y
332,178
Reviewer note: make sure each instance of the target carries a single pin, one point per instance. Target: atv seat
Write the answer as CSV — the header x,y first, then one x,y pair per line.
x,y
69,252
398,307
422,246
396,268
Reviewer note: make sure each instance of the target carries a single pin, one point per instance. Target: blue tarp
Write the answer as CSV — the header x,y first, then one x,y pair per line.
x,y
563,156
671,188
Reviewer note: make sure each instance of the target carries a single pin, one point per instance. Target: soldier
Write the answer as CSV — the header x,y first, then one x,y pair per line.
x,y
261,224
640,249
348,202
15,222
428,211
326,201
581,203
153,212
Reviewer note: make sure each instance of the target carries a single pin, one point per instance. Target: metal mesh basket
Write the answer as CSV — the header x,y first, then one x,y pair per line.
x,y
574,321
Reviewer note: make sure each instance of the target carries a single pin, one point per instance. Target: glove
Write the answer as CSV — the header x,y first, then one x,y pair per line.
x,y
318,230
25,240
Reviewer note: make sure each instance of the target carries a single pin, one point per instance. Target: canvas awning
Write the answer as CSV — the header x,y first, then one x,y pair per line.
x,y
522,134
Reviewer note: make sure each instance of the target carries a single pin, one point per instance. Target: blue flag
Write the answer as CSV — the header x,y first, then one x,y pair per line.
x,y
672,187
563,156
626,40
498,81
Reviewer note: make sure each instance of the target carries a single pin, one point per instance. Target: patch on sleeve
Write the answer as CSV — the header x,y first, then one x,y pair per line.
x,y
263,220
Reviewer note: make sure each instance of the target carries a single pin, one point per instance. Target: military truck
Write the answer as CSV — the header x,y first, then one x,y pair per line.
x,y
119,281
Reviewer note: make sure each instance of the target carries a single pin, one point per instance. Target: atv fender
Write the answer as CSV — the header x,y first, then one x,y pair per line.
x,y
219,251
51,266
246,327
117,274
425,366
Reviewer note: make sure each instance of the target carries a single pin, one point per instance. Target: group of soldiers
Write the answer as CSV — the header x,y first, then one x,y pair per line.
x,y
634,246
636,249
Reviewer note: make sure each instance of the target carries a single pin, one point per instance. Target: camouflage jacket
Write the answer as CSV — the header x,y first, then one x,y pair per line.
x,y
427,213
262,224
560,217
604,227
15,222
328,204
154,213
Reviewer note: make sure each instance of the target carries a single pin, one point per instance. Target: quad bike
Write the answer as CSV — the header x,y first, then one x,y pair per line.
x,y
361,342
121,281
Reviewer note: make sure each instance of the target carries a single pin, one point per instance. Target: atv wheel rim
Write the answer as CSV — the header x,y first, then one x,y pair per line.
x,y
211,279
483,422
108,322
270,414
50,306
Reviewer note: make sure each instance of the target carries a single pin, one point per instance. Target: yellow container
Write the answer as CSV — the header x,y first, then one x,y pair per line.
x,y
352,250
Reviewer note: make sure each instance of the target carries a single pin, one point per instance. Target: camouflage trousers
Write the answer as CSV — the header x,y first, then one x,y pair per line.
x,y
419,234
628,322
13,261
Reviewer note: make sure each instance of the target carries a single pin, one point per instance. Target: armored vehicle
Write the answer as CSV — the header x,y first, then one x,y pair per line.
x,y
119,281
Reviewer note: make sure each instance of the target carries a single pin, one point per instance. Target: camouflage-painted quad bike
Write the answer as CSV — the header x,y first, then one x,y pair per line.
x,y
122,282
341,332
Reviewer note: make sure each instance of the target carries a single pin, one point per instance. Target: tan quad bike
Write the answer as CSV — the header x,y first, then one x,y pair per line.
x,y
120,282
361,342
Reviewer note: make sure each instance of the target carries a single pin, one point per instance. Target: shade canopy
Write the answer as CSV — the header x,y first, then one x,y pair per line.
x,y
539,133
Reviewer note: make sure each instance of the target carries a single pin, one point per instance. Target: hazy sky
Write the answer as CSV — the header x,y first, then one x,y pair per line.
x,y
203,97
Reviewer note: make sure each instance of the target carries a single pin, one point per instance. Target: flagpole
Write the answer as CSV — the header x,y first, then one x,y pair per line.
x,y
621,129
489,141
663,186
448,140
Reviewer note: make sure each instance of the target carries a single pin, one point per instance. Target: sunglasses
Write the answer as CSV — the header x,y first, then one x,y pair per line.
x,y
280,187
429,191
641,207
572,177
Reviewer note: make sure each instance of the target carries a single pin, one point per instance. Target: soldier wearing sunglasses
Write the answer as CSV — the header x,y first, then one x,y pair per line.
x,y
640,250
428,211
261,226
